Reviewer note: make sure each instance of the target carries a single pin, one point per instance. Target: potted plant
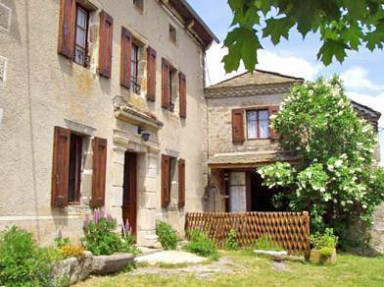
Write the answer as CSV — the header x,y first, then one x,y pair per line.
x,y
324,247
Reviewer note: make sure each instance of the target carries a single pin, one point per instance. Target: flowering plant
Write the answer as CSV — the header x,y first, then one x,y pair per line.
x,y
336,177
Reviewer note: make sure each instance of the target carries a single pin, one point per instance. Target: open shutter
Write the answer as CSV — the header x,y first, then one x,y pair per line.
x,y
183,95
60,167
151,62
126,56
272,133
99,172
238,126
181,168
105,49
165,100
165,181
67,28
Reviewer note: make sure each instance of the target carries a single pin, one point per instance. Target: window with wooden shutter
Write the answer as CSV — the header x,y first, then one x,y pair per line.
x,y
273,111
99,172
165,84
181,168
183,95
125,61
105,49
66,43
151,62
238,126
165,181
60,167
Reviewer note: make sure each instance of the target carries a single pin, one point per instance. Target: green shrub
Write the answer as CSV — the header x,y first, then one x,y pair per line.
x,y
61,241
265,242
22,262
167,235
231,241
200,244
100,235
326,240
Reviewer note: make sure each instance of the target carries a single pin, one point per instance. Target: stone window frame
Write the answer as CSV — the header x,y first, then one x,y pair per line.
x,y
139,5
3,69
8,28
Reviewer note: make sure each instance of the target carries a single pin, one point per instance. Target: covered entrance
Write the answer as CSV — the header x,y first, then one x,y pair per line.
x,y
130,191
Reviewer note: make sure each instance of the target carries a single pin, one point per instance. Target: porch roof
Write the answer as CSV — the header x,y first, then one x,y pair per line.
x,y
248,159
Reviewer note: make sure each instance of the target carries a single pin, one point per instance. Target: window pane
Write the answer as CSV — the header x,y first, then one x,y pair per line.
x,y
252,130
80,37
81,18
251,116
79,55
263,115
264,129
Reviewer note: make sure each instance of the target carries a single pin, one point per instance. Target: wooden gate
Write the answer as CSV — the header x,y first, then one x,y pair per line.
x,y
290,230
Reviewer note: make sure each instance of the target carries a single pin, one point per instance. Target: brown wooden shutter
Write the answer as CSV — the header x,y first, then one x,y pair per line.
x,y
60,167
126,57
67,28
165,181
105,49
272,132
151,62
165,97
99,172
183,95
181,168
238,126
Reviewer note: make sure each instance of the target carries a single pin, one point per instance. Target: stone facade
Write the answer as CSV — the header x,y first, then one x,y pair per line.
x,y
44,90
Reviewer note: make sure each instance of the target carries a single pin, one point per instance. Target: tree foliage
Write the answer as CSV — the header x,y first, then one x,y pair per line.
x,y
344,25
336,177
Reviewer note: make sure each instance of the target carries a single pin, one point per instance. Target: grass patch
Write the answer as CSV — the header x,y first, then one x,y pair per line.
x,y
351,271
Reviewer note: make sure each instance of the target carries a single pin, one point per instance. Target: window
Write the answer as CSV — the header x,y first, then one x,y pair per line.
x,y
172,34
258,124
81,35
135,69
74,176
139,4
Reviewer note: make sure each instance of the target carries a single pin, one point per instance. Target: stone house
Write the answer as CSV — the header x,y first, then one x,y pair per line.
x,y
101,104
241,138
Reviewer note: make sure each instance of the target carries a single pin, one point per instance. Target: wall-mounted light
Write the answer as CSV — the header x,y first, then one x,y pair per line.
x,y
145,134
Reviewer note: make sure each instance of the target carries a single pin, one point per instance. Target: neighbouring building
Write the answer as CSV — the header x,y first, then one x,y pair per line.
x,y
101,103
241,138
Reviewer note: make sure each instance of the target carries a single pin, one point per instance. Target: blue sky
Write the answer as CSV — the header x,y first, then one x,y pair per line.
x,y
362,72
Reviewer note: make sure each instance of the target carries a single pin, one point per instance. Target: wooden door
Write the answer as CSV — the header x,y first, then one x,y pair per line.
x,y
130,191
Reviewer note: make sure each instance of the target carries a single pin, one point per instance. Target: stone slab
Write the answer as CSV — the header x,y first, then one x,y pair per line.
x,y
104,264
171,257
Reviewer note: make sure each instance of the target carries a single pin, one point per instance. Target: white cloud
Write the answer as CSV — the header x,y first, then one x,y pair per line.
x,y
356,79
292,66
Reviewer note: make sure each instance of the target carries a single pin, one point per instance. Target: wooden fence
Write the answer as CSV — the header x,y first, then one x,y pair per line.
x,y
287,229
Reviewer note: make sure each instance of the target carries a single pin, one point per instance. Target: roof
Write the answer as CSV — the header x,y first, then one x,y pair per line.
x,y
248,158
258,77
193,20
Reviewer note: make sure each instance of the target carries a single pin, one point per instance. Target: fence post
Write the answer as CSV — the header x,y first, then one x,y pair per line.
x,y
307,221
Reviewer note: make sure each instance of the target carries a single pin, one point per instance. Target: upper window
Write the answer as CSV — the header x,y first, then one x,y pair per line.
x,y
172,34
135,69
81,43
139,4
258,124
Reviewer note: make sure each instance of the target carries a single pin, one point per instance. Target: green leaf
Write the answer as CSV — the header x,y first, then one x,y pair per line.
x,y
356,8
277,28
332,49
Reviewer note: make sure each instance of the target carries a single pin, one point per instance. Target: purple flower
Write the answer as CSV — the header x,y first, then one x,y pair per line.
x,y
127,227
101,213
86,222
109,217
60,235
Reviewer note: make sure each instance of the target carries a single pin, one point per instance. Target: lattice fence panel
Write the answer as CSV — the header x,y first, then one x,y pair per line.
x,y
288,229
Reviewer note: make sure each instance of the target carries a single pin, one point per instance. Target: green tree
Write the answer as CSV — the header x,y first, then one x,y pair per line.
x,y
343,25
335,177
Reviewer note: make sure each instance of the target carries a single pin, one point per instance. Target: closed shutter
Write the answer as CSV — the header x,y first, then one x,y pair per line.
x,y
181,168
99,172
272,132
165,181
238,126
105,49
66,43
126,56
183,95
151,62
60,167
165,94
